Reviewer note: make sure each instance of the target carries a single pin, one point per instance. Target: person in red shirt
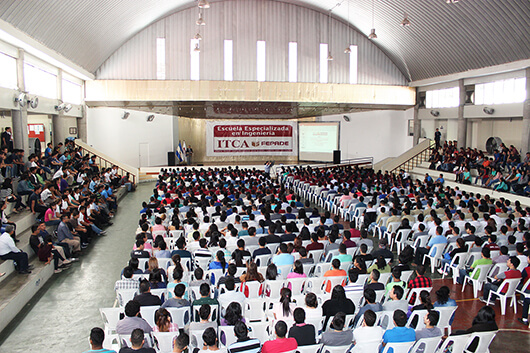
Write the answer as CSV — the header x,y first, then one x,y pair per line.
x,y
314,245
420,281
513,262
280,344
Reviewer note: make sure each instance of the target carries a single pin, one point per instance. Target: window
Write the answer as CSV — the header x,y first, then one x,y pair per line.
x,y
293,62
323,63
161,58
229,60
512,90
194,60
442,98
72,92
260,60
8,71
40,82
353,64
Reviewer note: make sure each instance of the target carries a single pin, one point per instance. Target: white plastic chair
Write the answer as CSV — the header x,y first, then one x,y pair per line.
x,y
385,319
252,289
321,268
160,292
401,238
180,316
255,309
455,344
309,349
426,345
263,260
315,254
148,313
176,233
273,288
503,297
477,283
125,295
296,285
164,341
496,269
419,315
446,313
259,330
227,335
213,276
331,282
405,275
283,271
110,316
417,291
202,262
402,347
335,349
457,263
315,285
484,341
434,259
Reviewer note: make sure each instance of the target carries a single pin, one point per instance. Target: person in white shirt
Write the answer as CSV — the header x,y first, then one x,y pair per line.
x,y
230,295
368,337
8,251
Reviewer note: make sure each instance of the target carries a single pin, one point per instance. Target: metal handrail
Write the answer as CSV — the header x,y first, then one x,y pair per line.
x,y
343,163
414,159
105,163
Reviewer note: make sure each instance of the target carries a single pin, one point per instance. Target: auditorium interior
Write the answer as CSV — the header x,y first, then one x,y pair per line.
x,y
164,94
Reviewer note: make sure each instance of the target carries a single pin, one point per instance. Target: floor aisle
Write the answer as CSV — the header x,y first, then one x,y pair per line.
x,y
61,318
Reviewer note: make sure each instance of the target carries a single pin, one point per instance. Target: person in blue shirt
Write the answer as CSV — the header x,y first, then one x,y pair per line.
x,y
48,151
400,333
283,258
437,239
440,179
97,336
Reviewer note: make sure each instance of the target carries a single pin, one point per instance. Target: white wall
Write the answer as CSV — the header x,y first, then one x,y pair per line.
x,y
121,139
379,134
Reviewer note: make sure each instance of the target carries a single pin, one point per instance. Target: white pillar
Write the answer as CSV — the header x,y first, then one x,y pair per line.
x,y
462,122
525,138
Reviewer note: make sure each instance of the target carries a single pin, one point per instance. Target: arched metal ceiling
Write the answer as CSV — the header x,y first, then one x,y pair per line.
x,y
443,38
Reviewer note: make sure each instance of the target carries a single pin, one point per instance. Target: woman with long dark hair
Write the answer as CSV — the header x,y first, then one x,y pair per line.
x,y
337,303
284,309
219,263
233,314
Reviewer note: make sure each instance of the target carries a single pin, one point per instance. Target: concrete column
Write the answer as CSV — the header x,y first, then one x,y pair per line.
x,y
525,138
20,130
19,117
60,126
417,126
462,122
81,127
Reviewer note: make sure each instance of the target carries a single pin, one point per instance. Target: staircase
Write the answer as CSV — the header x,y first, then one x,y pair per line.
x,y
408,160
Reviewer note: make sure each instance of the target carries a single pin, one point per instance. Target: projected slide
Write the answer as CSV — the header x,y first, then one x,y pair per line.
x,y
317,141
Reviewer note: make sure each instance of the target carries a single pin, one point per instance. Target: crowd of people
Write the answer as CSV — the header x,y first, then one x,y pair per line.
x,y
235,220
505,171
70,196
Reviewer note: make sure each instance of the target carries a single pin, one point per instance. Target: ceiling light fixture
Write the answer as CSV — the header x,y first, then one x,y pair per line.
x,y
67,108
197,48
198,36
200,21
348,50
406,21
125,115
330,57
150,118
203,4
451,1
372,31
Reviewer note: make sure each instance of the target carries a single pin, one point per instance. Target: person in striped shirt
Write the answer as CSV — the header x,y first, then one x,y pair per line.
x,y
244,344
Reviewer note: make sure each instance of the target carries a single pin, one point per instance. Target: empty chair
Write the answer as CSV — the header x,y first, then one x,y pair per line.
x,y
309,349
259,330
255,309
180,316
457,262
263,260
454,344
296,285
434,255
284,270
214,275
415,320
272,288
315,254
315,285
386,319
160,292
252,289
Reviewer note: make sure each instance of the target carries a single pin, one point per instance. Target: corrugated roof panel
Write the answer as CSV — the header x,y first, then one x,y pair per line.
x,y
443,39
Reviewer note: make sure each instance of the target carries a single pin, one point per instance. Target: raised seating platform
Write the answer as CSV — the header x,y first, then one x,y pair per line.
x,y
450,179
17,290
